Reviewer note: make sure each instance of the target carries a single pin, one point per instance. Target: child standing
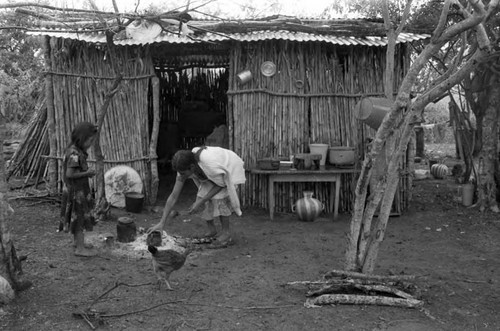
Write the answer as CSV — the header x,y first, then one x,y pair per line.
x,y
76,173
216,172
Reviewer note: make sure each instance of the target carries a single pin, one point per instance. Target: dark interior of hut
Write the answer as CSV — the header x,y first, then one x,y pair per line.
x,y
193,108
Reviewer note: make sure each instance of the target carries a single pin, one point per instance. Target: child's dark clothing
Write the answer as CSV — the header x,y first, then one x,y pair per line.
x,y
79,198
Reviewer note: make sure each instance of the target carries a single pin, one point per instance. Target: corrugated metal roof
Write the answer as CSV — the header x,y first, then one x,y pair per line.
x,y
100,38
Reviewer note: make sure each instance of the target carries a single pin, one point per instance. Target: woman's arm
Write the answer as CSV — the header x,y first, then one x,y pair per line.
x,y
172,199
73,173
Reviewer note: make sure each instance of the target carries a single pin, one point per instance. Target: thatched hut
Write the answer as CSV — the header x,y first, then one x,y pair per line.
x,y
176,89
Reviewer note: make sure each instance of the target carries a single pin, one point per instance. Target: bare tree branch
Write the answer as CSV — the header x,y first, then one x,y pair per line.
x,y
406,13
73,10
442,20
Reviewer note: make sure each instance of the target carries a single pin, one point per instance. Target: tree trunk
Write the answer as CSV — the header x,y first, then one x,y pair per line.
x,y
396,134
393,174
488,158
372,174
10,264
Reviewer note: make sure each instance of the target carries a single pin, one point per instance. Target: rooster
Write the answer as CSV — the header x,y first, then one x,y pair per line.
x,y
167,261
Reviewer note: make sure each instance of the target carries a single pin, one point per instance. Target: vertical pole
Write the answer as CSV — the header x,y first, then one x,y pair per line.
x,y
154,139
49,91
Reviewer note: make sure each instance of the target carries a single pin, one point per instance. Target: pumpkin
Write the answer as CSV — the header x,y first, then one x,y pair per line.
x,y
439,171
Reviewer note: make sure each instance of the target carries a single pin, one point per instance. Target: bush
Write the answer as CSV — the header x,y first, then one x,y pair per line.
x,y
20,70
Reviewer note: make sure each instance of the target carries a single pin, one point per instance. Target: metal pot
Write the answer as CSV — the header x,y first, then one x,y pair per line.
x,y
341,155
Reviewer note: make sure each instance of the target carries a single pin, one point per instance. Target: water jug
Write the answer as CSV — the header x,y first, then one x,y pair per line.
x,y
308,208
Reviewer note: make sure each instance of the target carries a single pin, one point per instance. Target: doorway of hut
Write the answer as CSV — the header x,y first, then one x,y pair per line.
x,y
193,112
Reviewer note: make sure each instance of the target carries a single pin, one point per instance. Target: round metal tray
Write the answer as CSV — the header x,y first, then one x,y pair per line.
x,y
268,68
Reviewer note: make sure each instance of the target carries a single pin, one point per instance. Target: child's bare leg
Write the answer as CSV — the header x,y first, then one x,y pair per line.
x,y
212,230
225,234
65,214
80,249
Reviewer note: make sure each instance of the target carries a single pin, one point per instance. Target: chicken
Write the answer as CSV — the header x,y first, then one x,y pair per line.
x,y
167,261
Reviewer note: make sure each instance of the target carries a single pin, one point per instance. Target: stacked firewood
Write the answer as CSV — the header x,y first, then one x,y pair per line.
x,y
27,161
345,287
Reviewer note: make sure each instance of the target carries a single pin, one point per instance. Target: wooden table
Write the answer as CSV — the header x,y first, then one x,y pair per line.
x,y
326,174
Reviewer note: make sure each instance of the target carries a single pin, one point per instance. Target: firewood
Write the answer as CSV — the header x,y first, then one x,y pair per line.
x,y
383,288
358,275
332,299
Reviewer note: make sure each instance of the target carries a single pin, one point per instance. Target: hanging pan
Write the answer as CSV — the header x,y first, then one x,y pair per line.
x,y
268,69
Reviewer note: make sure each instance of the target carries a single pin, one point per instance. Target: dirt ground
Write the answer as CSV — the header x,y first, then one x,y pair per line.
x,y
240,287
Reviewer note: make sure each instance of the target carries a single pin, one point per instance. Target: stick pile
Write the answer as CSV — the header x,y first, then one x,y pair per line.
x,y
26,161
344,287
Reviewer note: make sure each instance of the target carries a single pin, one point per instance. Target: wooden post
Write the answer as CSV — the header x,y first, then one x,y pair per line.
x,y
49,91
101,207
154,140
420,144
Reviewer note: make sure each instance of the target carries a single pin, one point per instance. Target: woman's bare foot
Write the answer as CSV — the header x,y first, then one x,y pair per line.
x,y
222,241
211,232
85,252
86,245
224,237
208,234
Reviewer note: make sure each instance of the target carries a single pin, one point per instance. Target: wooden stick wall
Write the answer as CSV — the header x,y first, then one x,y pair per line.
x,y
310,99
80,82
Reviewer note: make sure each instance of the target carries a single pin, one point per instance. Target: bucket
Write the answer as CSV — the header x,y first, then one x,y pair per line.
x,y
321,149
467,195
341,155
244,77
372,110
133,202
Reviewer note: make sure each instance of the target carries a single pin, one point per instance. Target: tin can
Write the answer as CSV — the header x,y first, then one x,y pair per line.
x,y
244,77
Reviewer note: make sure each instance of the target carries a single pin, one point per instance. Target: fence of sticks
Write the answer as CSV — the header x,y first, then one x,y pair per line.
x,y
309,99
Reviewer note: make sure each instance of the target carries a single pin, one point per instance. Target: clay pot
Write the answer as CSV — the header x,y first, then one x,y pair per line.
x,y
126,230
308,208
341,155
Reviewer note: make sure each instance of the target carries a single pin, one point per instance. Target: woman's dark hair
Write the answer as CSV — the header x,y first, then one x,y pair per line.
x,y
182,160
81,132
